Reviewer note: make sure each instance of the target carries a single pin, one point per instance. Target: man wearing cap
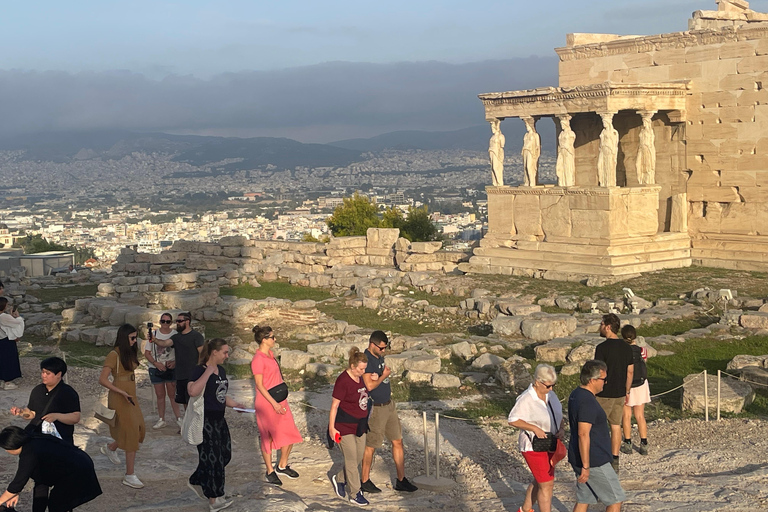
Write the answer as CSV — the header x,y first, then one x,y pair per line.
x,y
383,421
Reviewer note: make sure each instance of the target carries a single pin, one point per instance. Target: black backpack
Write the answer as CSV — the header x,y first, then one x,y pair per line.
x,y
641,370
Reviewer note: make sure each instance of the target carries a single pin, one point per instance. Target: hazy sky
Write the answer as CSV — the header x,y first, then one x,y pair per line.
x,y
210,67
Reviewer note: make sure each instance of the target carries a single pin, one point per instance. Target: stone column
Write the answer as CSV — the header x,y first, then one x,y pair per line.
x,y
646,150
609,151
531,152
566,160
496,153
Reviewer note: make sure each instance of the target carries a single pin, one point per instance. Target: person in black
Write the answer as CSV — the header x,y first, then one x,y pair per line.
x,y
52,462
215,452
55,402
617,355
187,344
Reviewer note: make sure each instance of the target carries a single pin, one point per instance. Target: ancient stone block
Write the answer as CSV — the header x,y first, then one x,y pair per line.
x,y
444,380
425,247
382,238
734,395
528,215
553,326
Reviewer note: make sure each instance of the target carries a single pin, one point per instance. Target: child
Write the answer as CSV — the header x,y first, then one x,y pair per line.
x,y
638,396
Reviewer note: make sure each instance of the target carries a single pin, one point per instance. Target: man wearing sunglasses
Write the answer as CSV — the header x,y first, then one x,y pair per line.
x,y
589,451
187,344
383,421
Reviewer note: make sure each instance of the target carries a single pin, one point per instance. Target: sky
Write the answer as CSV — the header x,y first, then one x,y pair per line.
x,y
311,70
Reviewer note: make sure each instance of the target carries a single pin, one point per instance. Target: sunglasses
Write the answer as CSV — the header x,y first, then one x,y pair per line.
x,y
382,347
133,338
548,386
270,337
181,320
602,378
165,321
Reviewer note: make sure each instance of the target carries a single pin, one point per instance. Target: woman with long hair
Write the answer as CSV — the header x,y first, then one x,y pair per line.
x,y
128,432
215,452
51,462
162,362
348,424
639,395
277,429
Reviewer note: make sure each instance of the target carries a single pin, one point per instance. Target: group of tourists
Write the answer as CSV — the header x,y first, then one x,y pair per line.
x,y
188,369
613,387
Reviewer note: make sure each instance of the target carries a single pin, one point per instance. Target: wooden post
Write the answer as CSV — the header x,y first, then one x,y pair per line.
x,y
706,398
426,444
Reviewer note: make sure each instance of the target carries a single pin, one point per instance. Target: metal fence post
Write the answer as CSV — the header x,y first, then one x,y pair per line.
x,y
426,445
706,398
718,395
437,446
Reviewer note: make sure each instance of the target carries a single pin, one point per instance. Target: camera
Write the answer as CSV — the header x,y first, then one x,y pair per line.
x,y
149,330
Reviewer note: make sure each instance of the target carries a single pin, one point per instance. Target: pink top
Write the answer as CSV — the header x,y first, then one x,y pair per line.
x,y
266,366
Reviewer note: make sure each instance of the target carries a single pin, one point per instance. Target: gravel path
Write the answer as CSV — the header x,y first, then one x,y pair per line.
x,y
692,466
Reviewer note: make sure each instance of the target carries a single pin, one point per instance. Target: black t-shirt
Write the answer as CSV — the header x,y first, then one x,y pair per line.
x,y
383,392
65,400
215,389
617,355
187,355
583,407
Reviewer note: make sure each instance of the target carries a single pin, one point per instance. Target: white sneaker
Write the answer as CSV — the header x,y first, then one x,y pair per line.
x,y
9,385
111,455
219,504
160,424
132,481
179,422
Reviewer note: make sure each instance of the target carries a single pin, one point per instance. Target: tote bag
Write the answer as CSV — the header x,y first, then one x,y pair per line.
x,y
192,425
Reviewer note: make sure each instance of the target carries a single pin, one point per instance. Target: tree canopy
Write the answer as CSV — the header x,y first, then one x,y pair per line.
x,y
358,213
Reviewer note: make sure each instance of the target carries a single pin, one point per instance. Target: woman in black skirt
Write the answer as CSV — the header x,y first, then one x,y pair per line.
x,y
215,452
50,461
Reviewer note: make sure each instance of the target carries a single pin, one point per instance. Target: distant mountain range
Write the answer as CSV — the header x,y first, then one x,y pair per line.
x,y
251,153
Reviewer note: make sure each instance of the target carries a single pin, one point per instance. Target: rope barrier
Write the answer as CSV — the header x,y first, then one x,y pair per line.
x,y
678,387
744,380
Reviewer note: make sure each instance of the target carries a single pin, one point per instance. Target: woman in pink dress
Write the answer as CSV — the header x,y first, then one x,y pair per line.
x,y
276,426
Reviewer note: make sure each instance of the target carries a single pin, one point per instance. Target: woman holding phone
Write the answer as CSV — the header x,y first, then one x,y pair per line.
x,y
128,432
162,361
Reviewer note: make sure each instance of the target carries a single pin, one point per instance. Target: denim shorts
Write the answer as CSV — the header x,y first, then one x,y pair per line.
x,y
603,485
158,377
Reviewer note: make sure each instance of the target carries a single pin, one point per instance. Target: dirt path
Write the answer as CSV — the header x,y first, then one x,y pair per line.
x,y
693,466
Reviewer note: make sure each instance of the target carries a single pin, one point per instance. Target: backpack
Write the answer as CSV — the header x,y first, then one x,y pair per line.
x,y
641,370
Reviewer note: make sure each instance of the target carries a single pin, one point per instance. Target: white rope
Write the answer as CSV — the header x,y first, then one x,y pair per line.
x,y
678,387
744,380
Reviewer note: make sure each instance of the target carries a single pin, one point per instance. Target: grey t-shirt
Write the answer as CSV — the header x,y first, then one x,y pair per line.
x,y
185,346
383,392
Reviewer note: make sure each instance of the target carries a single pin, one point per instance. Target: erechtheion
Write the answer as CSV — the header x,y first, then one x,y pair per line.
x,y
662,155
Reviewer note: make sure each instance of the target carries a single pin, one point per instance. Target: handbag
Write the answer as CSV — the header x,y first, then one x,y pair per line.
x,y
192,425
105,414
280,392
549,443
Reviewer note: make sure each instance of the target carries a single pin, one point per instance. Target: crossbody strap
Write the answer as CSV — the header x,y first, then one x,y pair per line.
x,y
555,426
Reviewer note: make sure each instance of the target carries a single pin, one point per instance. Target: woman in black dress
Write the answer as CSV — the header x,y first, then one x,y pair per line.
x,y
52,462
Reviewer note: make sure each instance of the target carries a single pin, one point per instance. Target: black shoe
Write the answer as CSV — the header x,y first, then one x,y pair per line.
x,y
287,471
369,487
405,485
274,479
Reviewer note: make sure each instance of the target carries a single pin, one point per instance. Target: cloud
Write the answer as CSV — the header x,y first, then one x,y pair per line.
x,y
315,103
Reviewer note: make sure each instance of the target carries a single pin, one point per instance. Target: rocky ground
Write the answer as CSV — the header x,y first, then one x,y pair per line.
x,y
692,466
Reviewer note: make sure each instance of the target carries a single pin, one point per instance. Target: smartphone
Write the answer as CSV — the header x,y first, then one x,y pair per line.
x,y
130,399
15,308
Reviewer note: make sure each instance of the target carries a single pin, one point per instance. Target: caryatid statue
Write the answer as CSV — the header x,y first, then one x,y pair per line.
x,y
609,151
531,152
646,151
496,152
566,160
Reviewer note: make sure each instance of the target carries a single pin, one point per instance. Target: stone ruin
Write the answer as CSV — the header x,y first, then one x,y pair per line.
x,y
662,155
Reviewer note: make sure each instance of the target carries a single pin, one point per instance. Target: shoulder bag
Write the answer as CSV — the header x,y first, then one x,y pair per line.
x,y
280,392
192,425
549,443
104,413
